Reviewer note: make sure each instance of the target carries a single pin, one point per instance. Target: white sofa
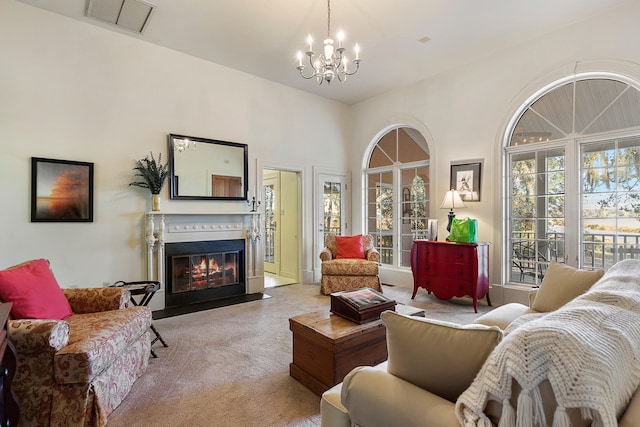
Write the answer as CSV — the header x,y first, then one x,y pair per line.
x,y
434,368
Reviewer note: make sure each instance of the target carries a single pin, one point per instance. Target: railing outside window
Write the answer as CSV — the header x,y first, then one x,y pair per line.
x,y
531,257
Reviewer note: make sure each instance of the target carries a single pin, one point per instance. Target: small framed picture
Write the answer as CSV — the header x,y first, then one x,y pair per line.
x,y
465,177
61,191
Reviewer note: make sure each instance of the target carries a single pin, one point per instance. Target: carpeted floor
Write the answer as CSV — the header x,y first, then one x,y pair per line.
x,y
230,366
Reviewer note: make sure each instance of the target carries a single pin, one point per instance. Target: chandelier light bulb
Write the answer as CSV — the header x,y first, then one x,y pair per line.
x,y
340,38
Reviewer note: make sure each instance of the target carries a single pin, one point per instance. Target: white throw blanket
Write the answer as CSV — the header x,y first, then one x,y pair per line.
x,y
589,350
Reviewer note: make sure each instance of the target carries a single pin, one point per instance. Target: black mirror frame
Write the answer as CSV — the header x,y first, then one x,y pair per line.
x,y
173,188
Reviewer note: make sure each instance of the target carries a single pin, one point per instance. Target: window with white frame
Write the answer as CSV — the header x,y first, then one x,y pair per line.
x,y
397,205
573,178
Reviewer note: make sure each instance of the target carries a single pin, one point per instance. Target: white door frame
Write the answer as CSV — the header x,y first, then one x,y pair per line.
x,y
302,212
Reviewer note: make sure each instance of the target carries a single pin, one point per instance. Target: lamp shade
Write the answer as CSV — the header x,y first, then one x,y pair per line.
x,y
452,200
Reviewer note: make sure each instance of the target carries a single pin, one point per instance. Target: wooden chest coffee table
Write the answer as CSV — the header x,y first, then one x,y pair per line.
x,y
326,347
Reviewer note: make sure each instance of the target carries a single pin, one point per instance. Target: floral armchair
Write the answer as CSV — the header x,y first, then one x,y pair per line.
x,y
75,371
349,262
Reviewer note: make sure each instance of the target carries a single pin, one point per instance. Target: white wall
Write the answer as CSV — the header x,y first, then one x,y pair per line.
x,y
73,91
465,112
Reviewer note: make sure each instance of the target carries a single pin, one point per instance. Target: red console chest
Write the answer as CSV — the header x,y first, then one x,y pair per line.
x,y
449,269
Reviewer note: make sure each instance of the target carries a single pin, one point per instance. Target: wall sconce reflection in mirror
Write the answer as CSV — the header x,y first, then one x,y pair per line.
x,y
207,169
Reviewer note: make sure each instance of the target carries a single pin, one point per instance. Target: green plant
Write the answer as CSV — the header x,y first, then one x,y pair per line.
x,y
152,173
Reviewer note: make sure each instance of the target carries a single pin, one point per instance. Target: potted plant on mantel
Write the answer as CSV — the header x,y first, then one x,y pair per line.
x,y
151,174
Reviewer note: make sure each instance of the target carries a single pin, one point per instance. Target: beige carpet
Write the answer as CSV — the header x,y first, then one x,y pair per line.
x,y
230,366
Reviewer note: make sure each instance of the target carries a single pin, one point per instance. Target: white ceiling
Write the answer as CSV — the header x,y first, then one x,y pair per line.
x,y
261,37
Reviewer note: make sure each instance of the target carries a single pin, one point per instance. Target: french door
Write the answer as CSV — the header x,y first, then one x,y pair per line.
x,y
331,213
271,197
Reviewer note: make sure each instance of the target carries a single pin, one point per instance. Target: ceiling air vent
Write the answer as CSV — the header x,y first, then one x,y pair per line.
x,y
132,15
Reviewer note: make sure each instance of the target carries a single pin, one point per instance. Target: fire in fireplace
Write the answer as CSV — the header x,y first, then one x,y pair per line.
x,y
204,271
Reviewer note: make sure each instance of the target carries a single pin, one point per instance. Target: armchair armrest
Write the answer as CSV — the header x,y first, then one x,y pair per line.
x,y
38,337
36,343
325,254
372,255
94,300
374,397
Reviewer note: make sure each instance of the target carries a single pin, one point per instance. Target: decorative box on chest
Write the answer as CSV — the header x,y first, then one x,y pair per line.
x,y
449,269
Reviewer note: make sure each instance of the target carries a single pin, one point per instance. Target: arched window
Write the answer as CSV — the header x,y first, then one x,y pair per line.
x,y
398,194
573,178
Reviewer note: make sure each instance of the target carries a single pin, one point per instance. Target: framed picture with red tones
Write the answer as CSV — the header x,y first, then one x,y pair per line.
x,y
61,190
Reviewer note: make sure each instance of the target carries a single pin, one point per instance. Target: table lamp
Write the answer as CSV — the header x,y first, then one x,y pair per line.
x,y
452,200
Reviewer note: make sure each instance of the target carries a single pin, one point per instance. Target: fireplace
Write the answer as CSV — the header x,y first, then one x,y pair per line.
x,y
204,271
196,237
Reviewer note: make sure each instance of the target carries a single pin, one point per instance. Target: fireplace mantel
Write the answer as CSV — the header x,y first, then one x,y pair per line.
x,y
176,227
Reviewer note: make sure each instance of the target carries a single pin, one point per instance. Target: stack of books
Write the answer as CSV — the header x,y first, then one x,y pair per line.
x,y
361,305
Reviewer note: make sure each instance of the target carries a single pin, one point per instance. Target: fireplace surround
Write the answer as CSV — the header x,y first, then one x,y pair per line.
x,y
206,247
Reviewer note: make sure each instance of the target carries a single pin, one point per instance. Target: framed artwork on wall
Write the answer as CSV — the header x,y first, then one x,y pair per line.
x,y
61,190
466,177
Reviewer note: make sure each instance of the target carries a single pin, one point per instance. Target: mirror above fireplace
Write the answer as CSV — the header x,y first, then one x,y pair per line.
x,y
207,169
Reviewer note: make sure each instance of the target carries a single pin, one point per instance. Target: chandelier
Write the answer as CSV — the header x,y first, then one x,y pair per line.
x,y
332,61
180,145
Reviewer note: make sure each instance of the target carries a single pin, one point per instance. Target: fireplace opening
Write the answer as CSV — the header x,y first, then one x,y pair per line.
x,y
204,271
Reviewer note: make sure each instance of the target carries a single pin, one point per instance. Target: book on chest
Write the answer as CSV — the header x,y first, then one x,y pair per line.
x,y
360,305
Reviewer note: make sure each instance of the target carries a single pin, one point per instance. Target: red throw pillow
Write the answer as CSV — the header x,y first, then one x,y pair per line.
x,y
349,247
34,292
